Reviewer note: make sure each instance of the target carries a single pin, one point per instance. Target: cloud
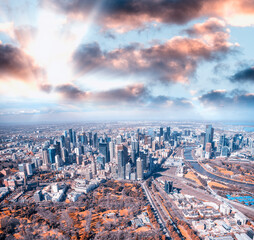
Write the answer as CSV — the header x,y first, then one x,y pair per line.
x,y
173,61
14,63
235,99
71,92
246,75
135,95
125,15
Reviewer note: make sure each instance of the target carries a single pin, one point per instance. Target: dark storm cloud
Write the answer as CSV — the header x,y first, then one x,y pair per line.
x,y
173,61
232,99
124,15
129,14
246,75
88,56
15,63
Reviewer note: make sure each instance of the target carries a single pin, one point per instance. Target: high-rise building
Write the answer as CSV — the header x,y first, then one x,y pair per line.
x,y
65,155
52,154
112,151
74,137
121,164
128,171
70,135
209,134
140,170
161,131
202,139
93,166
103,149
45,157
95,140
62,141
168,133
29,169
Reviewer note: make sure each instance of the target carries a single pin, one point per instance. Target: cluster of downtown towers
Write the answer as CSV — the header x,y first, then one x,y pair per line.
x,y
126,152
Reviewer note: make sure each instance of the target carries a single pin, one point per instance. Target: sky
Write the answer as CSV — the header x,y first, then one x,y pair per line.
x,y
77,60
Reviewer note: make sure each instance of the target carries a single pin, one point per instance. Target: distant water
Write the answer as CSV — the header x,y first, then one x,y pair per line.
x,y
248,129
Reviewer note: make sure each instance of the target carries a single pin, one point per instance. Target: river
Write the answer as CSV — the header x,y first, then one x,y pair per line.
x,y
198,168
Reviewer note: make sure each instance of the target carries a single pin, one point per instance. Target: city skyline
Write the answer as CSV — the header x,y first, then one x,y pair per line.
x,y
126,60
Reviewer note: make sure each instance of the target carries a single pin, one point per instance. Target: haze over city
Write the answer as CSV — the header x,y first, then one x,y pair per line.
x,y
118,60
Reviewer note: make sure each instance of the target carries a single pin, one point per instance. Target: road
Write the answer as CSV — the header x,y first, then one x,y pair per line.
x,y
164,217
155,207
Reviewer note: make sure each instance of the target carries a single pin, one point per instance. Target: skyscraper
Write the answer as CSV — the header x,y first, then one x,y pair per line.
x,y
45,157
103,149
161,131
112,151
52,154
140,170
209,134
95,140
121,164
70,135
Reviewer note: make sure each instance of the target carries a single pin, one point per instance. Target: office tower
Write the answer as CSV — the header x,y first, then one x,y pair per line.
x,y
209,134
135,146
154,146
52,154
90,142
65,156
140,170
121,164
95,140
143,156
29,169
68,144
93,166
57,147
168,186
62,141
168,133
70,135
223,140
65,134
161,131
103,149
202,140
128,171
45,157
83,138
112,151
74,137
58,161
133,157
